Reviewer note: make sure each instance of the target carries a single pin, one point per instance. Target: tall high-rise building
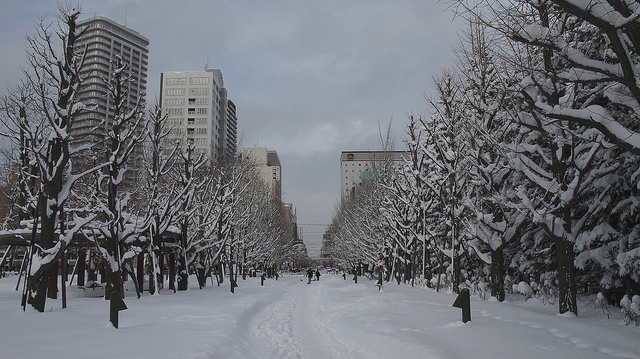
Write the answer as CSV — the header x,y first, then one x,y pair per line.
x,y
268,165
103,40
199,112
230,131
358,166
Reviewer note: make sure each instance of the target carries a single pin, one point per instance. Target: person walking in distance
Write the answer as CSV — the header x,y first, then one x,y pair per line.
x,y
309,275
317,274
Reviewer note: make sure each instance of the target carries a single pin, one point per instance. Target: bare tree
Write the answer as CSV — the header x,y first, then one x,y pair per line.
x,y
602,63
21,125
125,133
162,197
188,184
54,77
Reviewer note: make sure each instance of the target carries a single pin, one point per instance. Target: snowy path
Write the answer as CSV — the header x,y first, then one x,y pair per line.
x,y
290,319
291,327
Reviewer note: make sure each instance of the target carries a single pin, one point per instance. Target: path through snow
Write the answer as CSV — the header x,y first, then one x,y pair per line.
x,y
290,319
292,328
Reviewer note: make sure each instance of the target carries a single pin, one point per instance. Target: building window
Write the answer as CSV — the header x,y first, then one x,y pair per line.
x,y
192,101
202,101
202,111
175,92
174,121
191,111
174,111
199,91
198,80
176,81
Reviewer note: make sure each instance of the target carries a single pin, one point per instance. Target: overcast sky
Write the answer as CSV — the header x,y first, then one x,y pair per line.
x,y
310,79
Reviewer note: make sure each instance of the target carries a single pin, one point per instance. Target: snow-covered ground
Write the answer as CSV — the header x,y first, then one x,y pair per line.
x,y
289,318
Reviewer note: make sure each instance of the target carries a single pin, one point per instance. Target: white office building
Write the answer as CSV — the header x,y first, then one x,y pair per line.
x,y
357,166
199,112
268,164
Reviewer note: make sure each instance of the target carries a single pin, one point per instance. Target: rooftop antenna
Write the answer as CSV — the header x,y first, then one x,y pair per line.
x,y
206,67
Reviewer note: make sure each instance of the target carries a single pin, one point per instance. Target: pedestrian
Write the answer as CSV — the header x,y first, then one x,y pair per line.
x,y
309,275
317,275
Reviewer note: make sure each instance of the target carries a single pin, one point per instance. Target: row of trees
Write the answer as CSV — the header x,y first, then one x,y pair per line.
x,y
129,196
525,169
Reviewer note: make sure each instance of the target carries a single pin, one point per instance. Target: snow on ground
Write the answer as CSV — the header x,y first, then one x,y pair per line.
x,y
288,318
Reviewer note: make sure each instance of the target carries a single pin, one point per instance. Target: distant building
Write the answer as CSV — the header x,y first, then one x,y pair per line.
x,y
290,220
229,133
269,166
357,166
289,214
199,112
103,40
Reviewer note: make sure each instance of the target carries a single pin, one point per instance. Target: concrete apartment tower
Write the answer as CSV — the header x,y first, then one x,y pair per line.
x,y
199,112
103,40
230,131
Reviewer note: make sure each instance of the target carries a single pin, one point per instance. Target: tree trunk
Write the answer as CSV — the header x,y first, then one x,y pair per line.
x,y
183,272
172,271
81,267
220,272
455,262
232,282
153,273
497,273
113,276
38,284
39,290
52,289
140,271
565,255
161,268
440,270
244,264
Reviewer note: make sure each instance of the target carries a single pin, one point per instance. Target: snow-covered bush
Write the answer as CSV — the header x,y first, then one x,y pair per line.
x,y
601,302
524,289
630,309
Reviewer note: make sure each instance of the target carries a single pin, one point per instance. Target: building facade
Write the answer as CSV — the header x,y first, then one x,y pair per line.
x,y
230,131
358,166
269,167
199,112
103,40
290,219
